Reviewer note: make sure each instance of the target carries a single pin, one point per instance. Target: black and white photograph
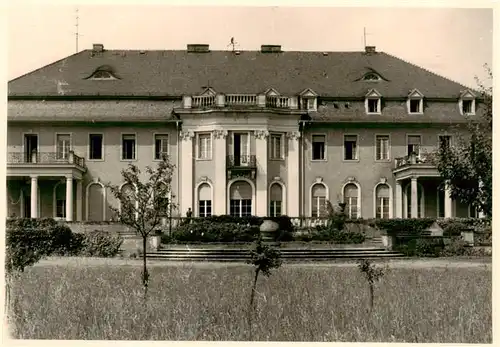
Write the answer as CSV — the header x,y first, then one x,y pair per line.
x,y
256,172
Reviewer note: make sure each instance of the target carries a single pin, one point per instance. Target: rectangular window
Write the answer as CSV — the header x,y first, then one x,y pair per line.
x,y
161,146
128,147
414,143
276,152
95,146
373,106
415,106
240,207
63,146
204,146
275,209
467,106
444,142
205,209
318,147
382,208
350,147
382,147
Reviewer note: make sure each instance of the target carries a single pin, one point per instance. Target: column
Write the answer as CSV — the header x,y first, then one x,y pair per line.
x,y
69,198
399,200
186,172
220,183
293,175
34,196
414,197
79,200
261,186
447,201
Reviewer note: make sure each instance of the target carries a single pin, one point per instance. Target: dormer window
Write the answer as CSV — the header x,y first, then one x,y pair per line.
x,y
371,77
103,73
467,103
373,102
308,100
415,103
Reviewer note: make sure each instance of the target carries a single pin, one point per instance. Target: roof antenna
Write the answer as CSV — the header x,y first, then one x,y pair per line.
x,y
77,33
364,36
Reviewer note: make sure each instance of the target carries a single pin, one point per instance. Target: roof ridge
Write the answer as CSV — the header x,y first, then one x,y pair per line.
x,y
429,71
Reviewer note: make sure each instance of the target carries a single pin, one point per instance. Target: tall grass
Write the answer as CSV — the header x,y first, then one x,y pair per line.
x,y
294,304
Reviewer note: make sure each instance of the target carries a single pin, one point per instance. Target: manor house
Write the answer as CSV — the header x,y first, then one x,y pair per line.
x,y
266,132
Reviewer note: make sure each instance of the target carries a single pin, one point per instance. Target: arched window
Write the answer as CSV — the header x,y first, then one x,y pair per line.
x,y
128,189
382,201
276,200
318,200
204,200
240,195
351,200
96,201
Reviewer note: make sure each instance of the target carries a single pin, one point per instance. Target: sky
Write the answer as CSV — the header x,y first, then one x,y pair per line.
x,y
453,42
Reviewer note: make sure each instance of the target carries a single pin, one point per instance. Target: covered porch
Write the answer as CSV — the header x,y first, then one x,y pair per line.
x,y
45,187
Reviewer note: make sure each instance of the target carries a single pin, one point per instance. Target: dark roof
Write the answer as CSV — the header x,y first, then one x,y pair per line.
x,y
91,111
176,73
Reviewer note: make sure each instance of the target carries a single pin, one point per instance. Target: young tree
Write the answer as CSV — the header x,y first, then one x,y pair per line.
x,y
467,165
143,207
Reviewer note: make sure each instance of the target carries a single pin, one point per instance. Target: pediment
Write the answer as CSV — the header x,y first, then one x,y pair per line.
x,y
373,93
208,91
467,94
272,92
415,94
308,93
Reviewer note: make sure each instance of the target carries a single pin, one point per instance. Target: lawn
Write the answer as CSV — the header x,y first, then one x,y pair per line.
x,y
189,302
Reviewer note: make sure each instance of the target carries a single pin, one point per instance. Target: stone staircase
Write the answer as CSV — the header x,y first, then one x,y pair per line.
x,y
221,254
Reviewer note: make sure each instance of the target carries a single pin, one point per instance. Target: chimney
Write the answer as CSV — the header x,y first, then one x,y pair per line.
x,y
370,50
98,48
198,48
270,49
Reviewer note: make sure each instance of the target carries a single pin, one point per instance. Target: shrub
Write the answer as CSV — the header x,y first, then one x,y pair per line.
x,y
421,247
454,229
348,237
100,243
456,247
215,232
407,226
64,241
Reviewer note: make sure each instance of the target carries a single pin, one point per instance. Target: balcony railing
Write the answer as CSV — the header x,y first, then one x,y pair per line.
x,y
241,100
203,101
277,102
45,158
241,161
422,159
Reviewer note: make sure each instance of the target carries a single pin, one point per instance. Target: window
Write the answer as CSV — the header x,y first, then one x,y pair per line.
x,y
128,147
351,200
318,147
350,147
382,147
63,146
276,194
318,201
161,146
371,77
414,143
241,208
382,196
204,146
240,203
95,147
444,142
467,107
373,106
276,143
102,75
60,208
415,106
204,200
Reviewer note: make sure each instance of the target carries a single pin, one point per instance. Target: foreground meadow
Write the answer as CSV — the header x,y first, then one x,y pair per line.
x,y
187,302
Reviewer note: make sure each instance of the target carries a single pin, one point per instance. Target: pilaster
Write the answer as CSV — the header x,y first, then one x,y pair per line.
x,y
261,137
220,183
293,173
186,172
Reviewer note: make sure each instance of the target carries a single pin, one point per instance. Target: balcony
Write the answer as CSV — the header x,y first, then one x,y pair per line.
x,y
206,102
241,166
21,164
415,165
277,102
241,100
